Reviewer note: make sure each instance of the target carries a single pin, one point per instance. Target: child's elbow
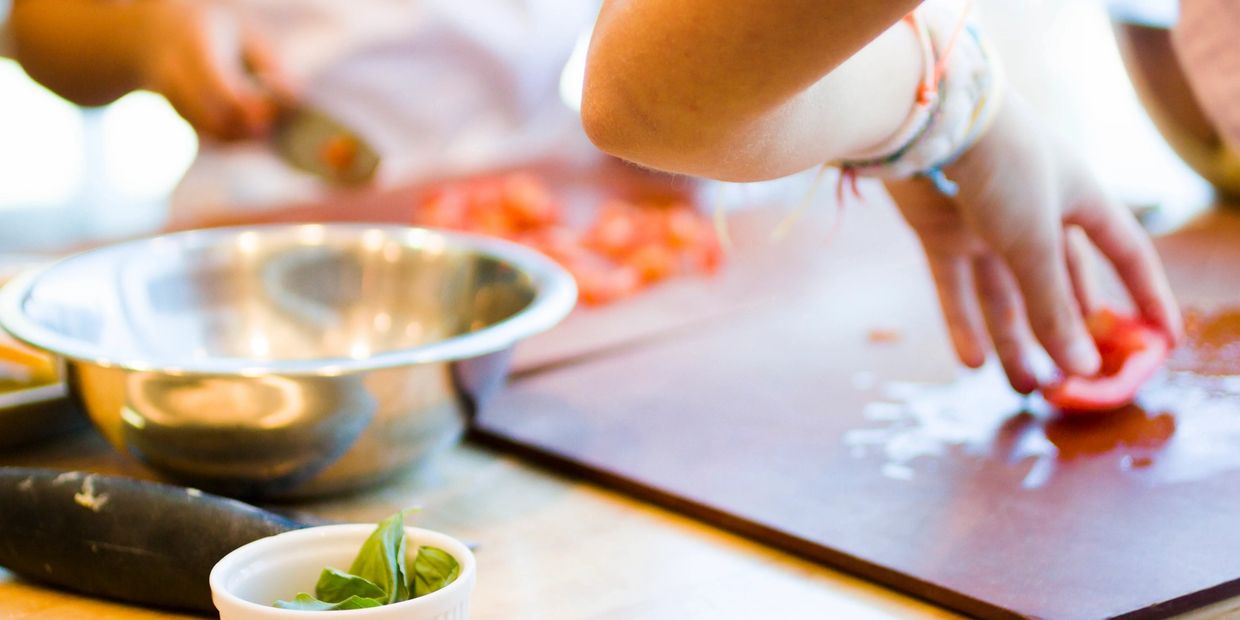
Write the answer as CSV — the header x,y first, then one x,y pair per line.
x,y
612,124
621,124
627,120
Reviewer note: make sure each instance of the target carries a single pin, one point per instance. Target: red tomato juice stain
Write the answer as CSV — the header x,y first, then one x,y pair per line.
x,y
1184,424
1128,430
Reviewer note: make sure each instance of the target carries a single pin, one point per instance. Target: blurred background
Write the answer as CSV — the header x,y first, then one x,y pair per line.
x,y
70,174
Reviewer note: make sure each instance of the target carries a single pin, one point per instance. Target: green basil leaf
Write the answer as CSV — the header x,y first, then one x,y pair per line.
x,y
433,569
379,574
335,586
379,559
305,602
402,570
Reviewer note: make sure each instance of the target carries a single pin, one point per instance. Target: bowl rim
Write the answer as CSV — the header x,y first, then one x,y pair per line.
x,y
555,296
448,597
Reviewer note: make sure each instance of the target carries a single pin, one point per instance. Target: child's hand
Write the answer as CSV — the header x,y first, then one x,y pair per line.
x,y
1007,251
215,72
197,53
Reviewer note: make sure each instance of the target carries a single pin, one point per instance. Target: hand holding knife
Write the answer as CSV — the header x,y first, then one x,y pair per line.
x,y
226,79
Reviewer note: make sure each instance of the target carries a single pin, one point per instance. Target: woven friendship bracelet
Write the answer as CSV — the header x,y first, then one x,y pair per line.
x,y
956,100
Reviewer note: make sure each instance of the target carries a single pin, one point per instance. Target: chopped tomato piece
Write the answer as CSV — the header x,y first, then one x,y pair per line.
x,y
615,231
686,229
601,282
528,202
706,255
339,152
1131,350
485,195
884,335
494,222
446,208
628,246
558,242
653,262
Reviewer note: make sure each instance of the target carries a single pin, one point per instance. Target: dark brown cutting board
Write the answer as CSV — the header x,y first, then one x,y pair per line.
x,y
824,415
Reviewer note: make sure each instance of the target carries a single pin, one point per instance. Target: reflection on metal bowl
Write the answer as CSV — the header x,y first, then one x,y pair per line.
x,y
1145,45
283,361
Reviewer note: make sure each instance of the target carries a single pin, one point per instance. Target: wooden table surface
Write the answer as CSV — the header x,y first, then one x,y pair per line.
x,y
549,548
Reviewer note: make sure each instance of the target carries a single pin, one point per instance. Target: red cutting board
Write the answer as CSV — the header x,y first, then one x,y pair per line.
x,y
824,415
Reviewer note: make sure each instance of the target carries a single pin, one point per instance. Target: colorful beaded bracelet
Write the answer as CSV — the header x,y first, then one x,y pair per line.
x,y
956,101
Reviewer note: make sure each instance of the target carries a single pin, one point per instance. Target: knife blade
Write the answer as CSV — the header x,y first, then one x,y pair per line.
x,y
313,141
131,540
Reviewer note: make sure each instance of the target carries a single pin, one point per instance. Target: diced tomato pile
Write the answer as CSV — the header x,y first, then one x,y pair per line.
x,y
629,246
1131,350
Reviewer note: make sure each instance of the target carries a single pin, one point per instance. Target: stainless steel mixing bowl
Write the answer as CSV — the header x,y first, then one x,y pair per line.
x,y
284,361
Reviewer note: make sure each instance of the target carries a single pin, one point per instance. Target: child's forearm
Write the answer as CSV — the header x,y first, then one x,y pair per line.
x,y
748,89
84,50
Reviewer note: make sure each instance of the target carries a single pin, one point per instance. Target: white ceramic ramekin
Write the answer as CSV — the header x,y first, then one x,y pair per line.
x,y
246,582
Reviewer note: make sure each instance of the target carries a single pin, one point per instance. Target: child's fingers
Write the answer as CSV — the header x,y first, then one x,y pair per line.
x,y
1126,246
947,243
210,109
215,65
196,108
1037,263
266,67
1081,268
953,278
1005,319
221,90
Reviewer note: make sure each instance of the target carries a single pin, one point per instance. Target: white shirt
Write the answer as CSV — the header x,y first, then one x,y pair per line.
x,y
439,87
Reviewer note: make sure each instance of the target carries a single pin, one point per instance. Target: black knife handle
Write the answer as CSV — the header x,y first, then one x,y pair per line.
x,y
130,540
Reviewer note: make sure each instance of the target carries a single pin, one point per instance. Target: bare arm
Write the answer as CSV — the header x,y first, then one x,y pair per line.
x,y
754,89
747,89
217,73
84,50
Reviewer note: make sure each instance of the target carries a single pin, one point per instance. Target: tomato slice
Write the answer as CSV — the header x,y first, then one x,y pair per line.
x,y
1131,351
